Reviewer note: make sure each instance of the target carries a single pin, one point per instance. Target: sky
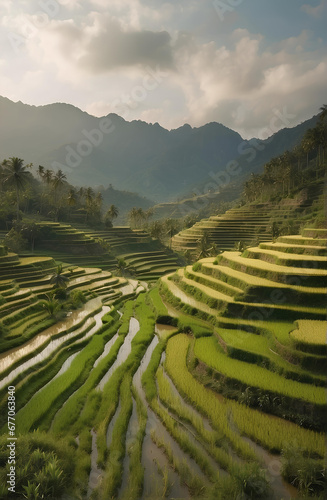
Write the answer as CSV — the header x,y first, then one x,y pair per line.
x,y
252,65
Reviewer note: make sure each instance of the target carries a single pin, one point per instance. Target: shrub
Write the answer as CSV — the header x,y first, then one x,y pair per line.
x,y
307,474
43,466
197,267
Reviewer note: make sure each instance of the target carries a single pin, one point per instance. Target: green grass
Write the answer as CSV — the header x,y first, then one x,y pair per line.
x,y
210,439
209,351
258,349
70,416
42,407
310,333
136,471
271,432
195,485
114,466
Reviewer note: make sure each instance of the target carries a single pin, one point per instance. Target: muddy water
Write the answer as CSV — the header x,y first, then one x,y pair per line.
x,y
190,409
62,370
281,489
129,288
8,358
96,473
143,366
123,353
153,481
189,300
54,344
151,451
106,350
191,435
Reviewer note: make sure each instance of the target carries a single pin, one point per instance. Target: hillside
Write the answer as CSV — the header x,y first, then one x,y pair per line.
x,y
192,389
134,156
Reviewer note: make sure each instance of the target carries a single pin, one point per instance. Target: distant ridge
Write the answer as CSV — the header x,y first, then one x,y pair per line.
x,y
135,156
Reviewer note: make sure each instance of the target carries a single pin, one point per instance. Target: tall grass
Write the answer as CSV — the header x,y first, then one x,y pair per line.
x,y
42,407
136,471
114,466
213,441
271,432
209,351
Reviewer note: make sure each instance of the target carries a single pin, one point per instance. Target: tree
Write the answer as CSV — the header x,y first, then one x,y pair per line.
x,y
31,232
156,230
16,176
171,227
40,172
47,177
71,199
58,182
204,247
149,213
58,279
122,268
51,305
135,216
111,214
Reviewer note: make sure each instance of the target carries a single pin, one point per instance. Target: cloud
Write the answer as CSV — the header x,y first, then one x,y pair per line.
x,y
112,47
242,85
95,52
314,11
101,44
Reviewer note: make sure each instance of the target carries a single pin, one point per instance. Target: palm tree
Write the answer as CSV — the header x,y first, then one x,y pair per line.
x,y
41,172
204,247
58,181
111,213
71,199
89,196
133,216
122,268
16,176
58,279
31,231
51,305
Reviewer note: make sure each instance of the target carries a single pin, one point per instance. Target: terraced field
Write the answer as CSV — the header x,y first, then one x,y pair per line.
x,y
210,386
247,224
148,258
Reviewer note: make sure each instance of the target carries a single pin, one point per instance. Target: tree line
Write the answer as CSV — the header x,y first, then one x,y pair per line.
x,y
293,169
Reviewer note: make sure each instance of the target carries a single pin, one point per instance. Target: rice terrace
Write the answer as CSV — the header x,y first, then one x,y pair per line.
x,y
163,291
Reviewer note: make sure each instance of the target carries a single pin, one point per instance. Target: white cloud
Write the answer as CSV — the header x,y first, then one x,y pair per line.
x,y
217,81
96,51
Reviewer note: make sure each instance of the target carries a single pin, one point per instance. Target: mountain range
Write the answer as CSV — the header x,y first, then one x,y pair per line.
x,y
136,156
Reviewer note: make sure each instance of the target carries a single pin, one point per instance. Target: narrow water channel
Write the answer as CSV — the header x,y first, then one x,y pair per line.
x,y
54,344
280,488
62,370
154,483
8,358
123,353
95,473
